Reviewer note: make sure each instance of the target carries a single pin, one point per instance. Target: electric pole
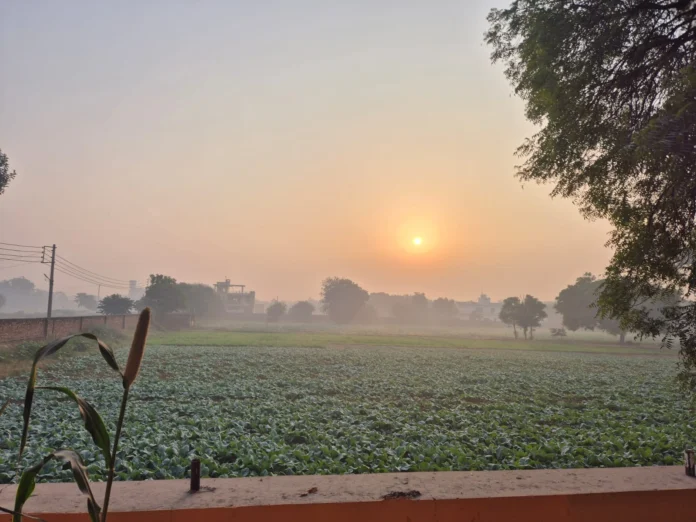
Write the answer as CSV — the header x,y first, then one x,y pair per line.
x,y
50,290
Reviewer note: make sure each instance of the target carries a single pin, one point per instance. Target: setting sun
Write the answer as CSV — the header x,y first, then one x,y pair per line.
x,y
417,241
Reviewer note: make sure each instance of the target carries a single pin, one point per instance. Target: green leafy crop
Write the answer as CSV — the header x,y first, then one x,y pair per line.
x,y
285,411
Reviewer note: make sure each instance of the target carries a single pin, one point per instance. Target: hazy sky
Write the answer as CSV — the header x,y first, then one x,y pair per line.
x,y
276,143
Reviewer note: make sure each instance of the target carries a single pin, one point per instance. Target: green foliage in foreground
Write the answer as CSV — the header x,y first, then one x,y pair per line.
x,y
283,411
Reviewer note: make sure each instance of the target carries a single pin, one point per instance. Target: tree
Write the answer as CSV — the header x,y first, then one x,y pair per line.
x,y
409,309
2,300
576,303
86,301
445,308
530,314
6,175
301,312
115,304
20,285
420,302
200,300
366,315
611,85
342,299
509,313
163,295
275,311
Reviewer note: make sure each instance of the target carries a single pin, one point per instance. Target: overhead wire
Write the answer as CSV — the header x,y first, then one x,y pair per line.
x,y
13,257
27,254
89,273
77,275
80,273
66,271
23,250
23,246
14,266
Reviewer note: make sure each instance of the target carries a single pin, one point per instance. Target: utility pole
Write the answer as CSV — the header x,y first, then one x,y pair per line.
x,y
50,290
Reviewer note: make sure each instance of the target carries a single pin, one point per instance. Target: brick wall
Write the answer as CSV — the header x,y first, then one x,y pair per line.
x,y
14,330
21,329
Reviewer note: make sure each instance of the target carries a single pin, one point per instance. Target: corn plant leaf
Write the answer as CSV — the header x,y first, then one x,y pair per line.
x,y
46,351
27,483
93,421
10,512
26,487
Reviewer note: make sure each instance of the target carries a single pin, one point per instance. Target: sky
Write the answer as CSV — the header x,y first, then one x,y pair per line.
x,y
277,144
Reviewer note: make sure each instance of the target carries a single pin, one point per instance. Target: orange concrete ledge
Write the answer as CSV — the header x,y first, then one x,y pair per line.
x,y
593,495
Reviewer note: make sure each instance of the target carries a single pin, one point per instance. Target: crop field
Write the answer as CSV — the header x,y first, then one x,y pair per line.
x,y
346,408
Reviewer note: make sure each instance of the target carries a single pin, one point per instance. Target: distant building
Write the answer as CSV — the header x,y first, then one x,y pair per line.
x,y
134,292
234,298
483,309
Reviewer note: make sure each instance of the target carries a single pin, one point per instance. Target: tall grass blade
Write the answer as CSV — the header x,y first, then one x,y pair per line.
x,y
46,351
93,421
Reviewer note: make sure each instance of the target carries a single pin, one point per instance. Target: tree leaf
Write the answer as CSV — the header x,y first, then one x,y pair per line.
x,y
93,421
46,351
27,483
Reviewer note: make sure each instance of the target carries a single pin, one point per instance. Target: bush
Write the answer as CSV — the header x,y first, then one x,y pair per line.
x,y
366,315
275,311
301,312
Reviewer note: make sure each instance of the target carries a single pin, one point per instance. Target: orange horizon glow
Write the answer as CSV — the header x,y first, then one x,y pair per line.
x,y
278,147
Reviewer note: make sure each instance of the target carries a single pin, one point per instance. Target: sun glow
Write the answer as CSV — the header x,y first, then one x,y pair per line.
x,y
418,241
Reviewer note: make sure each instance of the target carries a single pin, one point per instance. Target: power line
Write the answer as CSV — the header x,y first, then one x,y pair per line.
x,y
19,256
22,246
89,273
79,275
14,266
63,270
22,250
96,280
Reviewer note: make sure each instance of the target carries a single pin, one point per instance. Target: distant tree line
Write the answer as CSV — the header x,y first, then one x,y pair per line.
x,y
20,295
344,301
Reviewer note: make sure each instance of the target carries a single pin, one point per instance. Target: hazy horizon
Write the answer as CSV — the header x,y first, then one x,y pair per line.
x,y
277,146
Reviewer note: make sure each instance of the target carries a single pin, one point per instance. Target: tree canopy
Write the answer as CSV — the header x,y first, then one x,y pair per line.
x,y
577,305
419,301
342,299
530,314
509,313
86,301
526,313
275,311
163,295
115,304
611,86
19,285
6,175
301,312
445,308
200,300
